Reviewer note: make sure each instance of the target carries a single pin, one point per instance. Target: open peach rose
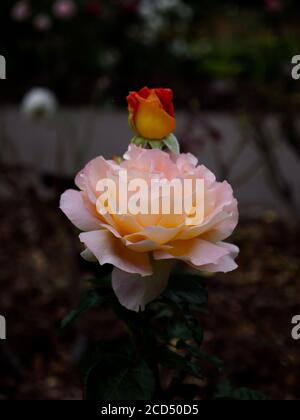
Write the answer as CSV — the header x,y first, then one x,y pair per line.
x,y
141,247
151,113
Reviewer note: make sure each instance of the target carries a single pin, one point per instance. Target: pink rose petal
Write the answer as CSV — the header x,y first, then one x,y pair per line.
x,y
72,204
109,250
135,292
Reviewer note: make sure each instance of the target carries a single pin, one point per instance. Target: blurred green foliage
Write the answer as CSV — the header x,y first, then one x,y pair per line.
x,y
217,53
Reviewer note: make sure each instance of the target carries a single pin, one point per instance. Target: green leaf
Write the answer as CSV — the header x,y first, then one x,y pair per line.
x,y
103,284
172,144
215,361
89,301
194,351
178,329
118,377
185,288
191,323
156,144
246,394
225,392
184,291
160,311
133,320
139,141
172,360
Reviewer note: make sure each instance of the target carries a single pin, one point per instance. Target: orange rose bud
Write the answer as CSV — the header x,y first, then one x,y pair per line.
x,y
151,113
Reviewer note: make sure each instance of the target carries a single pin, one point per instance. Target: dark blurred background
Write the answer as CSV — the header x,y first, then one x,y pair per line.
x,y
221,55
229,64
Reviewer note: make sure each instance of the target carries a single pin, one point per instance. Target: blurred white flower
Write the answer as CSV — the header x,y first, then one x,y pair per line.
x,y
64,9
149,9
168,4
42,22
177,6
180,48
108,59
154,14
146,8
39,103
20,11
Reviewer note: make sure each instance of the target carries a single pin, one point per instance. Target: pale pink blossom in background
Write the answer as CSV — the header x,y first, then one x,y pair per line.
x,y
42,22
142,247
20,12
93,8
273,6
64,9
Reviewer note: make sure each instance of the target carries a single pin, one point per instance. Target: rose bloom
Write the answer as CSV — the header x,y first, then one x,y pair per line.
x,y
142,247
151,113
64,9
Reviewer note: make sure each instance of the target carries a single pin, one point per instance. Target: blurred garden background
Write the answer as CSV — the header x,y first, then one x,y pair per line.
x,y
229,64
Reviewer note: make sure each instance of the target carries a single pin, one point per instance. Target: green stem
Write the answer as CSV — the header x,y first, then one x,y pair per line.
x,y
150,347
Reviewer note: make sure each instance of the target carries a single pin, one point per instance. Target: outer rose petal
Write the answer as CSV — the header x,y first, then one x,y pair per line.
x,y
144,93
72,204
166,98
224,229
196,252
110,250
133,100
186,162
226,263
135,292
88,178
153,122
